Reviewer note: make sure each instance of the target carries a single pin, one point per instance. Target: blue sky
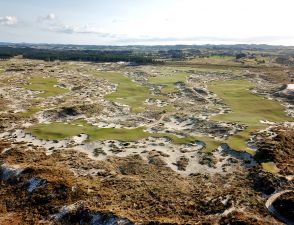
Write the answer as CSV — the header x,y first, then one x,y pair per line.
x,y
123,22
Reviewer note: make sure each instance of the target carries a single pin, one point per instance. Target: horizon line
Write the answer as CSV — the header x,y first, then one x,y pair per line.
x,y
149,45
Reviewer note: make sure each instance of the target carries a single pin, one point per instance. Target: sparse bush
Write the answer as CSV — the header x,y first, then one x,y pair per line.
x,y
98,151
240,55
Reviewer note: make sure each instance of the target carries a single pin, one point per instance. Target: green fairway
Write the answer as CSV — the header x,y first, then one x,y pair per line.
x,y
46,85
247,108
59,131
128,92
168,81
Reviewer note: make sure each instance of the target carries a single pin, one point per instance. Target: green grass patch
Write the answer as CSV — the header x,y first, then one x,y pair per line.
x,y
128,92
210,143
247,108
270,167
46,85
31,111
60,131
168,81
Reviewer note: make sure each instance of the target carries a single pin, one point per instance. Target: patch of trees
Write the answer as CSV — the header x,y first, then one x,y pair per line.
x,y
240,55
76,55
175,54
5,56
285,60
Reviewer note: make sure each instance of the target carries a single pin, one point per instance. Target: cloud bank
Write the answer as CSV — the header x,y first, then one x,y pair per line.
x,y
8,20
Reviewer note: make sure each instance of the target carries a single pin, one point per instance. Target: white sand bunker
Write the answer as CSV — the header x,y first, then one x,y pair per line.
x,y
20,135
184,159
174,124
287,91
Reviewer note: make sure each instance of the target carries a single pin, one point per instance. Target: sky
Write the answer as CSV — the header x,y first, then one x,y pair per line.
x,y
147,22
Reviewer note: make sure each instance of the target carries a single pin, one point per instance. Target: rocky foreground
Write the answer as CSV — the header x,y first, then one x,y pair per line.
x,y
69,188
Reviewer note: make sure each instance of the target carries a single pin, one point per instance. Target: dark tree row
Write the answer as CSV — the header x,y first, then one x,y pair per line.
x,y
75,55
285,60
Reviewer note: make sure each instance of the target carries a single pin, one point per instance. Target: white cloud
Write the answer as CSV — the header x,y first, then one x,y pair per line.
x,y
79,29
49,17
207,39
8,20
52,23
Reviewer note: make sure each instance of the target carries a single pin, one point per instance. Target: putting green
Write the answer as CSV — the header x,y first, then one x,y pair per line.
x,y
46,85
168,82
128,92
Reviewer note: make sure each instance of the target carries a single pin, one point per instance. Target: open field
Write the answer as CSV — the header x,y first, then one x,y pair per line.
x,y
166,143
247,108
146,112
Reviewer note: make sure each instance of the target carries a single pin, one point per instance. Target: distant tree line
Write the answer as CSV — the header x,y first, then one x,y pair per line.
x,y
76,55
285,60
